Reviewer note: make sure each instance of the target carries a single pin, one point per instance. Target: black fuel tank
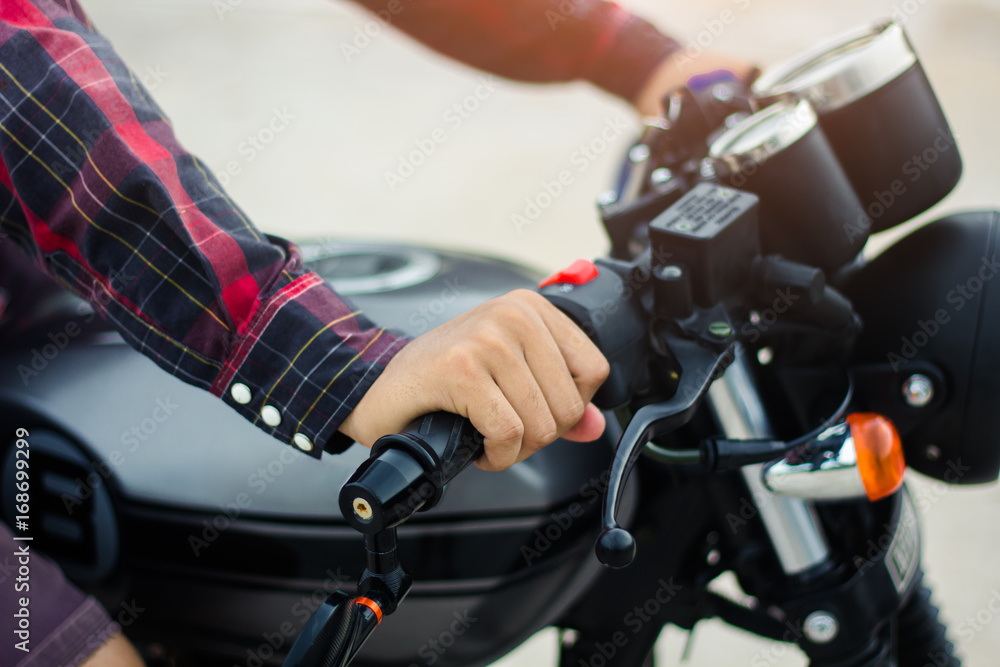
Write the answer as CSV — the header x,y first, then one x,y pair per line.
x,y
228,538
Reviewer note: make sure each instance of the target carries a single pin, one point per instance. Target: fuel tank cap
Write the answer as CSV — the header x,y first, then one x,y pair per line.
x,y
369,269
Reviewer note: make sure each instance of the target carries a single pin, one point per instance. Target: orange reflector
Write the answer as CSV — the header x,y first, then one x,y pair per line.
x,y
880,453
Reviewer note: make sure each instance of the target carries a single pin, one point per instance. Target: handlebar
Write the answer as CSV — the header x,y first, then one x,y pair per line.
x,y
653,347
407,472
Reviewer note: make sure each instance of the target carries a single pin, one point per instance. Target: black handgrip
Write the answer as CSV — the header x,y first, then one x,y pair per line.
x,y
407,471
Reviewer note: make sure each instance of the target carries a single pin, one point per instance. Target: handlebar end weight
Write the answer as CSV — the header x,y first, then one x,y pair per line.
x,y
384,491
407,471
616,548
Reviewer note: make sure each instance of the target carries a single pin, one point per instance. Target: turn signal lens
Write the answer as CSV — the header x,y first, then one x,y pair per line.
x,y
880,453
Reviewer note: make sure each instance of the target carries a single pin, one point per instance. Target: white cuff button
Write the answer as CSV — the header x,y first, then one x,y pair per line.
x,y
240,393
302,441
270,415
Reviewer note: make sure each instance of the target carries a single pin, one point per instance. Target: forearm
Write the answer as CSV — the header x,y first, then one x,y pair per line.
x,y
537,40
94,183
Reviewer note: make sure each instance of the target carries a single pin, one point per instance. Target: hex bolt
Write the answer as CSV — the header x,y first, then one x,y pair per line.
x,y
639,153
706,169
569,637
661,175
723,92
765,355
720,330
670,272
607,198
362,509
820,627
918,390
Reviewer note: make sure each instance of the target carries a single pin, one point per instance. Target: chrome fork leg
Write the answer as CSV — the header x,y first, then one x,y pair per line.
x,y
791,524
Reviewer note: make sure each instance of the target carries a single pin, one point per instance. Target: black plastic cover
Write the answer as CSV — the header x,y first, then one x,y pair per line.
x,y
711,231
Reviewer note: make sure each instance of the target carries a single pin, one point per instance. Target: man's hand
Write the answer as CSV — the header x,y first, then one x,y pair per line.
x,y
516,366
675,71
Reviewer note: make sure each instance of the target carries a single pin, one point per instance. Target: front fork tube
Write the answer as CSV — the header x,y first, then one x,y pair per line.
x,y
802,549
791,524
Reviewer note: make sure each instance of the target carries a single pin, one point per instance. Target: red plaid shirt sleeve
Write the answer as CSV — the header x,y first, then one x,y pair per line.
x,y
536,40
95,185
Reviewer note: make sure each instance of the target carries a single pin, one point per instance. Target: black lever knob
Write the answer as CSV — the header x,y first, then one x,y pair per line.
x,y
616,548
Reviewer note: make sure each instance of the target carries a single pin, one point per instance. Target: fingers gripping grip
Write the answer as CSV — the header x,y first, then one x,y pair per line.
x,y
408,471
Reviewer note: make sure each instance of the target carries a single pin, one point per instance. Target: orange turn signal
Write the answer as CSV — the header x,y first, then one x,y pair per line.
x,y
879,453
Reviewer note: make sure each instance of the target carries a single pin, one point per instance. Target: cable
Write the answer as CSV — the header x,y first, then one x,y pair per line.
x,y
722,454
811,435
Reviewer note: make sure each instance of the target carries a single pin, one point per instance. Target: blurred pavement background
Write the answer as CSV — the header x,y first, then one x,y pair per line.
x,y
224,70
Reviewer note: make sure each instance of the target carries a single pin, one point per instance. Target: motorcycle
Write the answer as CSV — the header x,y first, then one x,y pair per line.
x,y
767,391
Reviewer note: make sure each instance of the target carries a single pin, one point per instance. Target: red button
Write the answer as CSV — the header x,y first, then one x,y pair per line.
x,y
579,272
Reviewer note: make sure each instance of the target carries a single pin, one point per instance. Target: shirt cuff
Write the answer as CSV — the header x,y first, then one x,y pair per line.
x,y
633,49
304,362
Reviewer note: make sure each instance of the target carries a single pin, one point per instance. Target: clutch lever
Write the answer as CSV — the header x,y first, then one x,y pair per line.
x,y
700,365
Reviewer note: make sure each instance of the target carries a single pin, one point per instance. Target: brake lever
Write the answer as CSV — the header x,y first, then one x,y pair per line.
x,y
700,365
